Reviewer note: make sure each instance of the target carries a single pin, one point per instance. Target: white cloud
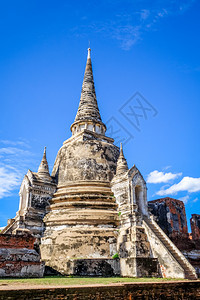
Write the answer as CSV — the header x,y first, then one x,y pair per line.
x,y
184,199
159,177
9,180
189,184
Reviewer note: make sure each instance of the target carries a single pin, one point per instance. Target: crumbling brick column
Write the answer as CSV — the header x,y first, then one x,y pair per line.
x,y
195,226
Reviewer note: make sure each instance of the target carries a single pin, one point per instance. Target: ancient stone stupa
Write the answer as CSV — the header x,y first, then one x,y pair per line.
x,y
91,213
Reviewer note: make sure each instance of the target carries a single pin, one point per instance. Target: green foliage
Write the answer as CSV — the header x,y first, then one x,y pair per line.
x,y
115,256
119,213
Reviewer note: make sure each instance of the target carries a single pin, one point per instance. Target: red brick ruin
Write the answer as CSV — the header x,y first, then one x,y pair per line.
x,y
170,215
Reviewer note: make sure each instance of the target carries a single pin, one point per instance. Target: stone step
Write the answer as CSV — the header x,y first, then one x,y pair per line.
x,y
189,274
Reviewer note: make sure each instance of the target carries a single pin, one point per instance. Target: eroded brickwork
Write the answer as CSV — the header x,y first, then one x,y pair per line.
x,y
19,257
147,291
171,216
195,226
10,241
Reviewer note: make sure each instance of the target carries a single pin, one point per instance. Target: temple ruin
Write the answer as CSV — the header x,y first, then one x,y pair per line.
x,y
91,214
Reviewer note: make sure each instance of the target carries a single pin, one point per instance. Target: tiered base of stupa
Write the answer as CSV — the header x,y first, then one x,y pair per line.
x,y
81,230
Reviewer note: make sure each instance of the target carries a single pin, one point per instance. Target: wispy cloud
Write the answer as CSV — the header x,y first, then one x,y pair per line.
x,y
14,162
9,180
13,151
148,19
195,200
166,168
15,143
185,5
144,14
189,184
128,24
128,35
161,177
185,199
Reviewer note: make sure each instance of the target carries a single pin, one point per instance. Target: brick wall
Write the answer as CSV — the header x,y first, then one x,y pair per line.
x,y
153,291
17,241
19,257
195,226
171,216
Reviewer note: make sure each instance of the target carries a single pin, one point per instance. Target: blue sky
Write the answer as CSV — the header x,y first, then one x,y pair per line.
x,y
146,66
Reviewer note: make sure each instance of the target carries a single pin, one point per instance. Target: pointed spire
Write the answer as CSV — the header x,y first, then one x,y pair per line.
x,y
122,166
88,108
43,170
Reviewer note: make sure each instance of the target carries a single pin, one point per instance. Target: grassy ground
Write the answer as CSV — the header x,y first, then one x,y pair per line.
x,y
64,281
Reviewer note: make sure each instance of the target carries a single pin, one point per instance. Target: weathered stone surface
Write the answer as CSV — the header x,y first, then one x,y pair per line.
x,y
94,267
147,267
72,243
88,158
82,215
193,257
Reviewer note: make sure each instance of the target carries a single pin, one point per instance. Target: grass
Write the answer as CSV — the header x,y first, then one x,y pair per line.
x,y
66,281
